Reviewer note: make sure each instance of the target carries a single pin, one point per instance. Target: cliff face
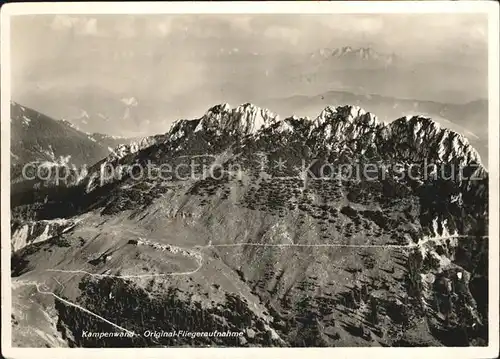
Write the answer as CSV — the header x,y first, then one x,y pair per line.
x,y
271,226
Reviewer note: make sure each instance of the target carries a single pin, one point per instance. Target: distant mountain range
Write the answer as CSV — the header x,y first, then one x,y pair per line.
x,y
348,57
141,107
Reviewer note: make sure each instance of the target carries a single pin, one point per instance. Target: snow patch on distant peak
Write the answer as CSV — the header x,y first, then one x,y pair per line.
x,y
84,114
26,120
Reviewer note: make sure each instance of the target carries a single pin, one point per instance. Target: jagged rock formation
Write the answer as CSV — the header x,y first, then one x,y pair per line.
x,y
244,119
314,257
110,141
125,149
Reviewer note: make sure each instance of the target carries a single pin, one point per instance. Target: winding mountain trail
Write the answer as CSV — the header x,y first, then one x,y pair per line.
x,y
199,259
38,285
98,275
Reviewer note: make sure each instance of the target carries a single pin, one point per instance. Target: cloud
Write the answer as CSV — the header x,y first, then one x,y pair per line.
x,y
355,23
287,34
242,23
89,27
81,25
62,22
164,27
125,28
373,24
161,27
479,32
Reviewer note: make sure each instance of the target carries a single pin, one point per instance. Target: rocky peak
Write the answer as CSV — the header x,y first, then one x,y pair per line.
x,y
182,128
409,138
336,125
243,120
426,139
123,150
350,114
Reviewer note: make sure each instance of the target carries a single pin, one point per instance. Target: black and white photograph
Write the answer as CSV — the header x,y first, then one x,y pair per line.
x,y
250,176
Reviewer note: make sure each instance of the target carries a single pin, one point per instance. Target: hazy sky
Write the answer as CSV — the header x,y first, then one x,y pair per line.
x,y
45,47
403,32
178,65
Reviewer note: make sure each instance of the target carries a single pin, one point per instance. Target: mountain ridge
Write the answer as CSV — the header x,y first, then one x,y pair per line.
x,y
250,119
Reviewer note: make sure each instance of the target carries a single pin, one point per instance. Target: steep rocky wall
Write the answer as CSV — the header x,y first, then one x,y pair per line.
x,y
38,231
